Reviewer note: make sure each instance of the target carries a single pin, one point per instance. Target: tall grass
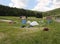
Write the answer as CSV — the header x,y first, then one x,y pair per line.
x,y
13,34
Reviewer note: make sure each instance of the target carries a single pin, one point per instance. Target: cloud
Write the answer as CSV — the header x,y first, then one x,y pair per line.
x,y
57,3
46,5
41,5
18,3
11,4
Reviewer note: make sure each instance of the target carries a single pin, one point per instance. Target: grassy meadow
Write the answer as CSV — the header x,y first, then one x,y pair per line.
x,y
13,34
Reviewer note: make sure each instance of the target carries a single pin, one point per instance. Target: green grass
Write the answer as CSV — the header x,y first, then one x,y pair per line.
x,y
13,34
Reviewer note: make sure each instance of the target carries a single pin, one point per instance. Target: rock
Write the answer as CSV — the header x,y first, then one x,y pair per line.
x,y
45,29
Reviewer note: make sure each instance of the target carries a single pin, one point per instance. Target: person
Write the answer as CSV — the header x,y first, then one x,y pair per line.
x,y
49,19
23,21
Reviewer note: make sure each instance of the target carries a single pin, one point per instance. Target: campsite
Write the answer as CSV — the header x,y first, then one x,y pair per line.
x,y
35,27
14,34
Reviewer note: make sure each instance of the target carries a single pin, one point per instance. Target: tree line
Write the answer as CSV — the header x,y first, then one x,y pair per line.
x,y
10,11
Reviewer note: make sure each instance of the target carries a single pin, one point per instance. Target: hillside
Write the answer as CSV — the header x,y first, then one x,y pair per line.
x,y
53,12
9,11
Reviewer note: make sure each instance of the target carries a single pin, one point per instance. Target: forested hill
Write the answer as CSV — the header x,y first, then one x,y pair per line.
x,y
9,11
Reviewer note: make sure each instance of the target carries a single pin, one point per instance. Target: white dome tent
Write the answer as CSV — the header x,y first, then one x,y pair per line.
x,y
34,23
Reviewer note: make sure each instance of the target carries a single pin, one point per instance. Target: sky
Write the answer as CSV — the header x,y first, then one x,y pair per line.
x,y
36,5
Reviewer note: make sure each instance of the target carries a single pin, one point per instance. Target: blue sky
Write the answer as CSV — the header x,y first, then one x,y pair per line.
x,y
6,2
30,3
37,5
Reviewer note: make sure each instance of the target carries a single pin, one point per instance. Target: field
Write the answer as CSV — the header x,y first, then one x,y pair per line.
x,y
14,34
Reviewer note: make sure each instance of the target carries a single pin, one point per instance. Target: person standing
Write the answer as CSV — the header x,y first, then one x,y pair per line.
x,y
23,21
49,19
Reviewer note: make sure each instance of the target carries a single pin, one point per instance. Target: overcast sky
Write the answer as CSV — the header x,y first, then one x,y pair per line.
x,y
37,5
